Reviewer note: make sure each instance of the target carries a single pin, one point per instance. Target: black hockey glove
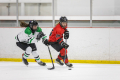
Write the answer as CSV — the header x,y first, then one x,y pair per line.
x,y
65,45
66,34
45,41
40,35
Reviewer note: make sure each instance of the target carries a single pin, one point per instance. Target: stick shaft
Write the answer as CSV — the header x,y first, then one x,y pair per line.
x,y
50,56
65,50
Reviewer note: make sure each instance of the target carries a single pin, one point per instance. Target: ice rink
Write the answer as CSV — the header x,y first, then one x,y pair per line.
x,y
18,71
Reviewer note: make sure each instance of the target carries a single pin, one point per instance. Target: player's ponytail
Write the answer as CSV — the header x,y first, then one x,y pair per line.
x,y
23,24
57,23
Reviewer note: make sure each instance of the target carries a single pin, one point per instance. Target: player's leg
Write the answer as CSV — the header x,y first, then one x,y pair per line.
x,y
62,55
27,52
36,56
58,47
59,60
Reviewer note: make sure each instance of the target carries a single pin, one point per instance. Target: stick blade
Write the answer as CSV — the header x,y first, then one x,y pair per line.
x,y
51,68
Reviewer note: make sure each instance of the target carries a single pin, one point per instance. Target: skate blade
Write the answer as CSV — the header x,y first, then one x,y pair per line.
x,y
70,67
42,65
25,64
58,63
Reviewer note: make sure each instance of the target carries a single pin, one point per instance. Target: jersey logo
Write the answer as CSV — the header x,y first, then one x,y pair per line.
x,y
57,35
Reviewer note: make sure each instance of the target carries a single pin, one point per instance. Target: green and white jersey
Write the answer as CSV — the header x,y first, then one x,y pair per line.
x,y
27,36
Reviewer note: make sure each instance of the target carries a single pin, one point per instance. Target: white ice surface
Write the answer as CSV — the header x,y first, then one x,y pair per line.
x,y
18,71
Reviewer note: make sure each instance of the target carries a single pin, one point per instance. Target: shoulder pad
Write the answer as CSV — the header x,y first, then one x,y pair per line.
x,y
28,31
39,29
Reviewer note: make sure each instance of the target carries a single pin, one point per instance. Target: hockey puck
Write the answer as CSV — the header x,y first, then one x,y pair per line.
x,y
69,69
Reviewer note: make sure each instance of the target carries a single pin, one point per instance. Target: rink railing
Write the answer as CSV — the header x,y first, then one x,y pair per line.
x,y
57,17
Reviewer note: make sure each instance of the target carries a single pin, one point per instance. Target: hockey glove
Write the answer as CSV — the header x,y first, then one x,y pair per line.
x,y
66,34
45,41
40,35
65,45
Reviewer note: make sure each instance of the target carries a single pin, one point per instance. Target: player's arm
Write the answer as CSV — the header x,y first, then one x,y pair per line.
x,y
42,35
60,40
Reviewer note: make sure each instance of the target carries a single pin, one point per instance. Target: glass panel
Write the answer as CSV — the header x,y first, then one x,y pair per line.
x,y
73,8
38,9
101,9
28,9
4,9
8,9
106,9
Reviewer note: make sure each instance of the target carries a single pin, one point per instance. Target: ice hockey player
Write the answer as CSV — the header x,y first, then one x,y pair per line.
x,y
27,38
56,41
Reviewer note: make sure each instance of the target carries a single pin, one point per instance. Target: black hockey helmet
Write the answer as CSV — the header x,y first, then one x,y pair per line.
x,y
63,19
33,23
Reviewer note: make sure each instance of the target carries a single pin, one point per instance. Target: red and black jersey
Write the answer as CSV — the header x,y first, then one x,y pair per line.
x,y
57,34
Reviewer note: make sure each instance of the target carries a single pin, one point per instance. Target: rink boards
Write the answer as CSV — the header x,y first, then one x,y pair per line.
x,y
87,45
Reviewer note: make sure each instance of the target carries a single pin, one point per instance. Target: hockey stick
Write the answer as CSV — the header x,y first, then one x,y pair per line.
x,y
51,59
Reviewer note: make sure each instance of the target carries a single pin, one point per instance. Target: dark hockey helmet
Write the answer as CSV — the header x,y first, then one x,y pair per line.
x,y
63,19
33,23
